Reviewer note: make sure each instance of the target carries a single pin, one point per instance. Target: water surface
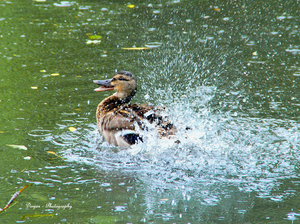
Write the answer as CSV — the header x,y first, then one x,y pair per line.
x,y
228,70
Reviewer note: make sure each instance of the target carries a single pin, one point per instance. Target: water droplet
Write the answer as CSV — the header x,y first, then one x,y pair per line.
x,y
147,97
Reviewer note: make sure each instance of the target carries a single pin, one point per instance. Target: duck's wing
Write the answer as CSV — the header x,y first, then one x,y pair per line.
x,y
115,121
145,111
118,127
153,115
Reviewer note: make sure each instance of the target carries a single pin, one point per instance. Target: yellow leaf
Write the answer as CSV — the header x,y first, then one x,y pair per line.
x,y
43,71
131,6
51,152
1,132
18,146
135,48
164,199
34,87
55,74
72,129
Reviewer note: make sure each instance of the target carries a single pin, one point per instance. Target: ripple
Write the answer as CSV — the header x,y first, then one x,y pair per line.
x,y
64,4
120,208
295,50
40,133
153,44
296,73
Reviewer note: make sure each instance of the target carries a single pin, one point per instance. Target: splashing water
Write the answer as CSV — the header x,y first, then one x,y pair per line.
x,y
218,150
249,153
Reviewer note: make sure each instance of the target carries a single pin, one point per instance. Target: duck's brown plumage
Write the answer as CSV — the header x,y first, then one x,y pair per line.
x,y
117,119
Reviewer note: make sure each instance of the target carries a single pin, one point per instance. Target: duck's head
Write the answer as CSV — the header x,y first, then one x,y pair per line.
x,y
123,82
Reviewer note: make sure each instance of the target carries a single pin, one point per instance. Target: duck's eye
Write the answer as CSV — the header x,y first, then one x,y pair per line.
x,y
121,79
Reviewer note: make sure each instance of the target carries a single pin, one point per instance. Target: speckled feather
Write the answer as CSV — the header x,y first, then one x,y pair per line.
x,y
115,114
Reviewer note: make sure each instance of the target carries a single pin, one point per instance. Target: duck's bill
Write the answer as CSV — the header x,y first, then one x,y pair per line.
x,y
105,85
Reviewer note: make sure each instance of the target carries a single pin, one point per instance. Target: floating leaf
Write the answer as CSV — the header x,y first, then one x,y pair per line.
x,y
55,74
1,132
135,48
14,197
216,9
34,87
51,152
18,146
43,71
131,6
164,199
72,129
95,37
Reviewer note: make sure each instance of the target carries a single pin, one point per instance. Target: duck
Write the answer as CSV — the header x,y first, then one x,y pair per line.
x,y
119,121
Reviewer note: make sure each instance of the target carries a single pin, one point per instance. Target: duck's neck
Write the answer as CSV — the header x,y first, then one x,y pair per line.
x,y
116,100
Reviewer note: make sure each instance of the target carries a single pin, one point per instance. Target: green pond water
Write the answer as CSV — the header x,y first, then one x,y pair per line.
x,y
229,70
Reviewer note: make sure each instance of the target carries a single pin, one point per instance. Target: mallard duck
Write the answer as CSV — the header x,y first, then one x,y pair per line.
x,y
119,121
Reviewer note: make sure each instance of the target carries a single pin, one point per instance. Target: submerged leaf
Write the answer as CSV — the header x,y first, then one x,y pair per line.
x,y
36,216
18,146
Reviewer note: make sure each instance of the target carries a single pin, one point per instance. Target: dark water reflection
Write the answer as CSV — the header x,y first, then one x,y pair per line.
x,y
230,70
